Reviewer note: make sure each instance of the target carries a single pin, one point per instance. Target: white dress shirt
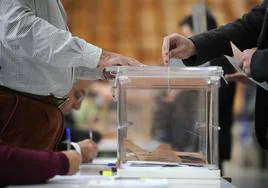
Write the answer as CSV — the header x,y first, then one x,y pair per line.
x,y
38,54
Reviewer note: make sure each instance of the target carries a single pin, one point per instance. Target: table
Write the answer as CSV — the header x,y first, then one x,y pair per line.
x,y
89,177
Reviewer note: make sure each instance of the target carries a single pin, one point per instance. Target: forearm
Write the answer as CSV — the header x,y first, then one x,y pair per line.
x,y
96,73
25,166
30,36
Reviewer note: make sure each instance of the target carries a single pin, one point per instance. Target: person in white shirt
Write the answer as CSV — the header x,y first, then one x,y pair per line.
x,y
39,61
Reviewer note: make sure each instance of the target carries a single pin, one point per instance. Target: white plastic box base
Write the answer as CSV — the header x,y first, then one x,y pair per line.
x,y
182,172
184,176
155,183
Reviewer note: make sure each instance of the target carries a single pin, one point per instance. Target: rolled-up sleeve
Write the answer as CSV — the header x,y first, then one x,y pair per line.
x,y
29,36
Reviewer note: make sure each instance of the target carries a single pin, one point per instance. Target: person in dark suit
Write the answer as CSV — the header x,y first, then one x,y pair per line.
x,y
170,116
250,31
226,91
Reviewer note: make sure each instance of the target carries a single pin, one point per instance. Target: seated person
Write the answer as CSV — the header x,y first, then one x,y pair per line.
x,y
174,119
88,147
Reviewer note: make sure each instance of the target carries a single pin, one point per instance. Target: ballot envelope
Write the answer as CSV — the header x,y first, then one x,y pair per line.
x,y
167,122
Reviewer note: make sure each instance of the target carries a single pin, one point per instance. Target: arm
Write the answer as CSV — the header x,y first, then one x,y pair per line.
x,y
87,148
259,66
243,32
25,166
199,49
33,37
106,59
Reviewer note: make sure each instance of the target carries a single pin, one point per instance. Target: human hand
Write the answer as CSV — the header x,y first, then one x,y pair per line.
x,y
246,60
176,45
114,59
89,150
74,159
238,76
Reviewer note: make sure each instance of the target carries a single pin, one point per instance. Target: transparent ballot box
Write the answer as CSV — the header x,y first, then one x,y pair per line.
x,y
167,122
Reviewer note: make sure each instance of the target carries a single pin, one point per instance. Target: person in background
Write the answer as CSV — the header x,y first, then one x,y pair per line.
x,y
39,61
246,33
28,166
226,92
37,166
87,146
175,111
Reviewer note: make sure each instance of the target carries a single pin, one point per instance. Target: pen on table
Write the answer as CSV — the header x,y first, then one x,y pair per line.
x,y
104,164
90,134
68,138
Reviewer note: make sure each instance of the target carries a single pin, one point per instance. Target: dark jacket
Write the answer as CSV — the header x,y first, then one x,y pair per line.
x,y
248,32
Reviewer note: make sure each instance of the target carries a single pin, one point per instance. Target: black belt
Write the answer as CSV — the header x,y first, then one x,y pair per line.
x,y
59,102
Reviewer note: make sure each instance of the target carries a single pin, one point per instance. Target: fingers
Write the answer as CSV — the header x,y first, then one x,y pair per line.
x,y
134,62
114,59
245,62
178,46
165,50
179,52
89,150
246,58
235,77
246,68
92,149
241,77
170,42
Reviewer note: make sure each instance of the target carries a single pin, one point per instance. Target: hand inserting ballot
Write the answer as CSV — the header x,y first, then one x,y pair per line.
x,y
176,45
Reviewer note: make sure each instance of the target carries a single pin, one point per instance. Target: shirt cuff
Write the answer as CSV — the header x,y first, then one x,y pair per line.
x,y
82,73
76,147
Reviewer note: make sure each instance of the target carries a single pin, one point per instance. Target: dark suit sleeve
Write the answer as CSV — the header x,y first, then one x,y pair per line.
x,y
259,65
243,32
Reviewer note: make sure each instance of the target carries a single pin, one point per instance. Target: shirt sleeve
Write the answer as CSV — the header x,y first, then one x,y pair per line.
x,y
25,166
27,35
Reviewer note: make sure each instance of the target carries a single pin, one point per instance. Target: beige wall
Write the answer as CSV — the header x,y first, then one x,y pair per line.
x,y
136,27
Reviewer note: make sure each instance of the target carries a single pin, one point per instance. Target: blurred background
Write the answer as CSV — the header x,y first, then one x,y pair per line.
x,y
136,28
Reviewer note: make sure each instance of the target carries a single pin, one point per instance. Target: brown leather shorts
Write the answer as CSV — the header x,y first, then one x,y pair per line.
x,y
29,123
